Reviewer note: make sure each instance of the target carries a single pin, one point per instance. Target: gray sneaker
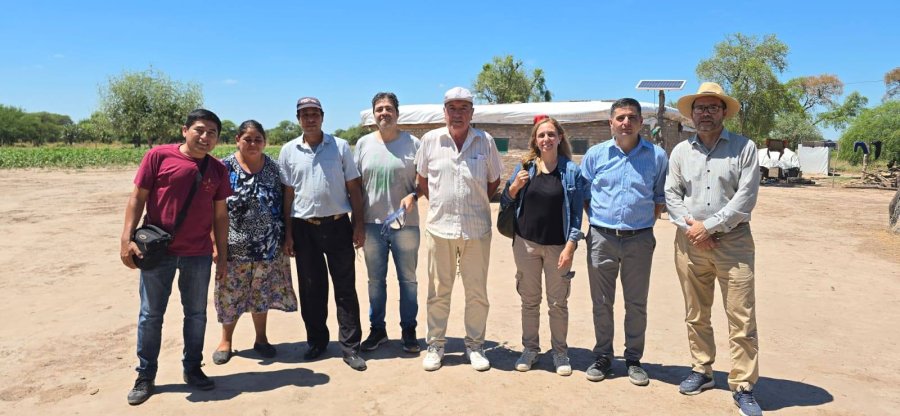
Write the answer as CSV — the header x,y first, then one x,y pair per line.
x,y
746,403
526,360
636,373
561,363
597,371
696,383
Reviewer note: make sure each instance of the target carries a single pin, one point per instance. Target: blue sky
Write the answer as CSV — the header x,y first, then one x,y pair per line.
x,y
255,59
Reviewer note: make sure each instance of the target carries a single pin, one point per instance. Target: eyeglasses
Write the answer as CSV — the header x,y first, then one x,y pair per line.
x,y
713,109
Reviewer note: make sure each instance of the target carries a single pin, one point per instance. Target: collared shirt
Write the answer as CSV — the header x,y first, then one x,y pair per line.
x,y
458,203
717,186
319,176
625,187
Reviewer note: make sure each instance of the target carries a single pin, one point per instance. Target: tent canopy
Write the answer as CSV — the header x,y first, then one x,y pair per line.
x,y
523,113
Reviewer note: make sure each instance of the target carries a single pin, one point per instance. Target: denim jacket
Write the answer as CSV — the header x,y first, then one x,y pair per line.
x,y
575,187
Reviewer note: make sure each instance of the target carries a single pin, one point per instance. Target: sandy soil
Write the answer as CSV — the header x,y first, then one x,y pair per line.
x,y
827,295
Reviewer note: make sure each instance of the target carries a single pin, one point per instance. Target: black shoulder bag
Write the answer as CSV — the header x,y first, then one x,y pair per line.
x,y
153,241
506,218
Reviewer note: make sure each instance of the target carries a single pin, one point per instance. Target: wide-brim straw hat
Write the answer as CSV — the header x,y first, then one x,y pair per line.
x,y
686,103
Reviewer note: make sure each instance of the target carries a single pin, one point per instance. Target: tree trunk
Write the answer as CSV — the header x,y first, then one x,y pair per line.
x,y
894,212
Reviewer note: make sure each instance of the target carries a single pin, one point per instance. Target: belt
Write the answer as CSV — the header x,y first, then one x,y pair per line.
x,y
324,220
621,233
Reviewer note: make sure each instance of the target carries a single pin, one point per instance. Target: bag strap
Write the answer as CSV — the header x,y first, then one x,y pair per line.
x,y
199,178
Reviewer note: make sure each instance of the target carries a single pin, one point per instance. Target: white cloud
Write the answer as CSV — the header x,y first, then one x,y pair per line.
x,y
58,56
230,81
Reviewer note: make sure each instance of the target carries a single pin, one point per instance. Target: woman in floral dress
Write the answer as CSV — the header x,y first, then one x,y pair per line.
x,y
259,275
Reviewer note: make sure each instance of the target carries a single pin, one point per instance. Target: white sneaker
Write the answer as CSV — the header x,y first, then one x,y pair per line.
x,y
561,362
526,360
433,358
477,359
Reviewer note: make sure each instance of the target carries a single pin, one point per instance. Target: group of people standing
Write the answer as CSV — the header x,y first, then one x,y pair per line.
x,y
298,207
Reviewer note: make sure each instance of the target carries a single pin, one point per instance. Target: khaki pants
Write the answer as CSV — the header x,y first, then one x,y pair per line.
x,y
732,264
532,260
472,258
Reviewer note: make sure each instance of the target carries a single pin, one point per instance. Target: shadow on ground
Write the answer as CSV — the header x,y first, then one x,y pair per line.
x,y
233,385
771,393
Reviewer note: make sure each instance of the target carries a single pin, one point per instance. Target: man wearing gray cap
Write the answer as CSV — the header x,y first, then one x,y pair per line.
x,y
321,185
458,169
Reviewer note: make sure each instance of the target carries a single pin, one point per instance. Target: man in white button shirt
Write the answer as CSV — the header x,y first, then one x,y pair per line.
x,y
458,170
711,188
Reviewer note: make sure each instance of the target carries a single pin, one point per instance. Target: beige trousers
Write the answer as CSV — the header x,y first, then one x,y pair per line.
x,y
732,264
532,261
471,258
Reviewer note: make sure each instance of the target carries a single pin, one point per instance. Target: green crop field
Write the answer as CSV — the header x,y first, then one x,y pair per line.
x,y
86,156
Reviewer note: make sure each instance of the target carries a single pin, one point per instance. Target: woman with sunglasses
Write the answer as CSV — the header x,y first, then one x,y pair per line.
x,y
259,274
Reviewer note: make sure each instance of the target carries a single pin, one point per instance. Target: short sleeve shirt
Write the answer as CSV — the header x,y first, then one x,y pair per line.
x,y
319,176
458,203
388,174
169,175
256,224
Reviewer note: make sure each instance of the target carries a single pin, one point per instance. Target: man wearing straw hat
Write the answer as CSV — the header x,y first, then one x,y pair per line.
x,y
711,188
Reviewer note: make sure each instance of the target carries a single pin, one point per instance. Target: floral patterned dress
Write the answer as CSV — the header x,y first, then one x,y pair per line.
x,y
259,275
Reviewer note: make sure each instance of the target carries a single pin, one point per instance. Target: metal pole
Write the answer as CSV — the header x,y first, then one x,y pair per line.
x,y
659,116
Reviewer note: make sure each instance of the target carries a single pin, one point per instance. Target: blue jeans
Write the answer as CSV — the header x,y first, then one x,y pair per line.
x,y
403,244
156,286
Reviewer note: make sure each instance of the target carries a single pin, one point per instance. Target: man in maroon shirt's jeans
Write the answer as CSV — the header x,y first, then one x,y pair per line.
x,y
162,184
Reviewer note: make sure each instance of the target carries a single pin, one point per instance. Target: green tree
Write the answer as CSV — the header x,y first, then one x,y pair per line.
x,y
879,123
352,134
839,116
892,84
795,128
11,124
229,131
747,67
96,128
284,132
505,80
148,104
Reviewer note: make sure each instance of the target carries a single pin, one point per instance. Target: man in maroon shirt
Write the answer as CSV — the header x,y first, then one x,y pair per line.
x,y
162,185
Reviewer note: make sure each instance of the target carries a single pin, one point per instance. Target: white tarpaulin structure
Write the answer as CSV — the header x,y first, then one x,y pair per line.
x,y
523,113
813,159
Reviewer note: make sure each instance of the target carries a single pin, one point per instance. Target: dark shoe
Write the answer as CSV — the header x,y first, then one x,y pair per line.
x,y
745,401
142,390
597,371
265,350
636,374
221,357
195,377
355,361
313,352
376,337
409,341
696,383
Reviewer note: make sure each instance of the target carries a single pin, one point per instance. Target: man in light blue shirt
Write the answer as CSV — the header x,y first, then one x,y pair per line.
x,y
321,184
627,175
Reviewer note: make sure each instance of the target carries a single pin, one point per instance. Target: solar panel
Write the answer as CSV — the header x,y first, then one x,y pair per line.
x,y
660,85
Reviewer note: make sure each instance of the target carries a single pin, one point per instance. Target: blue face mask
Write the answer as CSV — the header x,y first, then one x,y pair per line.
x,y
393,222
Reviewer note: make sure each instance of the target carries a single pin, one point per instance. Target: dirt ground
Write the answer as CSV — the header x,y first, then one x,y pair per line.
x,y
828,294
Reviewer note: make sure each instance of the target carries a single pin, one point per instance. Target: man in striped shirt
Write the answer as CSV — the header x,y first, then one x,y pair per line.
x,y
458,170
627,175
712,186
